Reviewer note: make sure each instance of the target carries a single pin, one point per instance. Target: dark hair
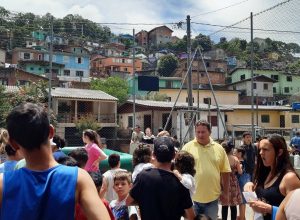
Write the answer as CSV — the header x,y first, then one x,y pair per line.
x,y
142,154
93,136
68,161
203,123
164,149
113,160
123,176
185,163
160,129
246,133
241,149
97,178
298,133
60,142
227,146
80,155
282,163
28,125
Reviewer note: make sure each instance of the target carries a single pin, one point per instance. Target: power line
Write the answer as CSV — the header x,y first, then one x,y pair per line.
x,y
220,9
256,14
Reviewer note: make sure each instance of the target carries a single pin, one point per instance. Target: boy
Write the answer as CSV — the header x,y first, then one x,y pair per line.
x,y
41,189
122,185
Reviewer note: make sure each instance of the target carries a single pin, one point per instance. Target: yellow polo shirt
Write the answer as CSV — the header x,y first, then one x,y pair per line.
x,y
210,161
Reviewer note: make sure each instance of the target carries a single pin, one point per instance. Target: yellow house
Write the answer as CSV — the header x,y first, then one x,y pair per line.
x,y
226,97
265,117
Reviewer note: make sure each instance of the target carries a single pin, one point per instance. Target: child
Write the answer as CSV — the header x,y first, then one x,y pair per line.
x,y
95,154
122,185
141,159
235,197
80,155
243,178
185,171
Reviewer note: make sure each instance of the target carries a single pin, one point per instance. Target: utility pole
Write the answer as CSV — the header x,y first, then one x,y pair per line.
x,y
50,67
133,67
252,83
81,30
189,79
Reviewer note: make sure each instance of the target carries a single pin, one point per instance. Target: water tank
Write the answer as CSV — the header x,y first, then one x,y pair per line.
x,y
296,106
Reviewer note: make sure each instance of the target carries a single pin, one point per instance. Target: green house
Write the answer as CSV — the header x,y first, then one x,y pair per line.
x,y
287,84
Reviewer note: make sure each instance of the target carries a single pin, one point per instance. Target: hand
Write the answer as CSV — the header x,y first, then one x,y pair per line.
x,y
177,174
249,187
261,207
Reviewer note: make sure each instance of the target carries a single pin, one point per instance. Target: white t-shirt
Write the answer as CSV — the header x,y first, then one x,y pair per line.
x,y
138,168
292,210
188,181
108,176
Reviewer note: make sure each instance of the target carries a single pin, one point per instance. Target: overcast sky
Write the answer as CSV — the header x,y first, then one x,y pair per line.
x,y
153,11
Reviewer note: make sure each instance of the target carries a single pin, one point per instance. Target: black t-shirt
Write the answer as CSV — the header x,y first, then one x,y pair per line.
x,y
160,195
250,155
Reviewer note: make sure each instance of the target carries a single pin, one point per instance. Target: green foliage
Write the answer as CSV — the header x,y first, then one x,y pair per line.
x,y
155,96
87,122
167,65
4,106
114,86
203,41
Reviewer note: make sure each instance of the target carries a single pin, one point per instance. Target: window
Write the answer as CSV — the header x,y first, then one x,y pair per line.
x,y
265,118
47,71
4,81
125,69
207,64
295,118
265,86
79,60
55,71
27,56
213,120
130,121
79,73
243,77
254,85
123,60
66,72
23,82
40,57
289,78
286,90
40,68
31,68
187,100
65,59
226,118
275,77
274,89
169,99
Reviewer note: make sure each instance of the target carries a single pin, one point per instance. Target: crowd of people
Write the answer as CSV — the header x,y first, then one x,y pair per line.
x,y
167,183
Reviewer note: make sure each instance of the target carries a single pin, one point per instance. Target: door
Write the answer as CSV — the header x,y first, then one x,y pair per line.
x,y
147,122
282,121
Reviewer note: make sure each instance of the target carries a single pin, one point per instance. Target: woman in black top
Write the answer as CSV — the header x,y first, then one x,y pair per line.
x,y
274,176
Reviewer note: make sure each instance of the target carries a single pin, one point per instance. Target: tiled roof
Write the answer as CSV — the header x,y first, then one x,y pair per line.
x,y
81,94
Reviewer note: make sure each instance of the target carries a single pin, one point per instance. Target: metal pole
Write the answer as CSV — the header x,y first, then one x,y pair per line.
x,y
50,66
252,75
198,91
256,110
189,81
133,67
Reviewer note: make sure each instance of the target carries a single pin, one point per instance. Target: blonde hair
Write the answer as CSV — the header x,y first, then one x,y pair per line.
x,y
4,137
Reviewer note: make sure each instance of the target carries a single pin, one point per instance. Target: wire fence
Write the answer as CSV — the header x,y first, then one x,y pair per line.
x,y
276,52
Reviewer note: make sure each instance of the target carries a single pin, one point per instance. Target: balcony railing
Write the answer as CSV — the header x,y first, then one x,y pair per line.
x,y
70,117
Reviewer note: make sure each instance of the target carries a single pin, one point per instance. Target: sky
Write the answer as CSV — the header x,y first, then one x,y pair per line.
x,y
165,11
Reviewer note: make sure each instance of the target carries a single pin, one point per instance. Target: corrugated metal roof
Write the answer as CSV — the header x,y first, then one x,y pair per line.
x,y
260,107
162,104
81,94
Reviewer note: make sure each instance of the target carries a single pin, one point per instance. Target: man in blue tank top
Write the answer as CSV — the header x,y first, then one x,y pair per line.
x,y
43,189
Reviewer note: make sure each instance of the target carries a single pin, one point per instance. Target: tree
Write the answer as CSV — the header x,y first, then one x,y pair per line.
x,y
114,86
167,65
203,41
87,122
4,106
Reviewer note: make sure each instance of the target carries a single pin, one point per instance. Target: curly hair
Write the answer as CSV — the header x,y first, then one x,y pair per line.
x,y
185,163
142,154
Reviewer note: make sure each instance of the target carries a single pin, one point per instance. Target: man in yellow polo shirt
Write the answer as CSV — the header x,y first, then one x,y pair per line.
x,y
212,169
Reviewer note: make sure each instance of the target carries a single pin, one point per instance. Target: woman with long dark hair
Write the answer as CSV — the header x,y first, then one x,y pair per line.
x,y
93,147
274,175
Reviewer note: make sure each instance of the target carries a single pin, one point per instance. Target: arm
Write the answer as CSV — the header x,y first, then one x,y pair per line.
x,y
280,215
249,187
88,197
261,207
289,182
130,201
239,166
189,213
101,156
103,188
225,179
